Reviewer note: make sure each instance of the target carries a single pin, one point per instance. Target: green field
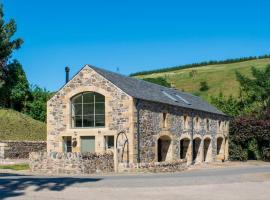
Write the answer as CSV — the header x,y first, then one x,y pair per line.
x,y
220,77
17,126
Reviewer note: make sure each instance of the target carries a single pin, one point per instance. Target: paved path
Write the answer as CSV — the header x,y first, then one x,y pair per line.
x,y
246,182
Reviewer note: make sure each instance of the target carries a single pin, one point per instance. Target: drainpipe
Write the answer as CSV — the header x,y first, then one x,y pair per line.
x,y
138,106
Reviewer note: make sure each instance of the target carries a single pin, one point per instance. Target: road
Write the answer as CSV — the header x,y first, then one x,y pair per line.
x,y
246,182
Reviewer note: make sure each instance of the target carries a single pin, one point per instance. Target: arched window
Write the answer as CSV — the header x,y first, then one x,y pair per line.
x,y
88,110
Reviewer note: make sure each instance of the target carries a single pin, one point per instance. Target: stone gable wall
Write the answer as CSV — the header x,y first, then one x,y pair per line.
x,y
151,118
118,111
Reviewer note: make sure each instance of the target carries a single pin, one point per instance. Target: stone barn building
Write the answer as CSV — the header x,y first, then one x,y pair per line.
x,y
98,111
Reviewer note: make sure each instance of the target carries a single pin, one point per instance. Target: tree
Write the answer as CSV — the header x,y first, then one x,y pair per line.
x,y
255,91
15,90
37,104
229,105
7,45
204,86
159,80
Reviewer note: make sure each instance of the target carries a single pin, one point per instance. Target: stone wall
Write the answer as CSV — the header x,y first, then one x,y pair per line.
x,y
20,149
154,167
71,163
151,129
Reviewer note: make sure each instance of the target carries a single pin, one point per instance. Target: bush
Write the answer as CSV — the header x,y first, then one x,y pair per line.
x,y
204,86
236,152
266,154
250,137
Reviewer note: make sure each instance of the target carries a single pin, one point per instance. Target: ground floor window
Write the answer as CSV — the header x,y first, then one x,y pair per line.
x,y
109,142
67,147
88,144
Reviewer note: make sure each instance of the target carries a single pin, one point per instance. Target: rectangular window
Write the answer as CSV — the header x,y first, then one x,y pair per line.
x,y
109,142
67,147
185,122
197,123
207,125
88,144
164,123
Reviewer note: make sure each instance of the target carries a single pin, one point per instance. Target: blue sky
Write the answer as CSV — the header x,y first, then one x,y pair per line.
x,y
133,35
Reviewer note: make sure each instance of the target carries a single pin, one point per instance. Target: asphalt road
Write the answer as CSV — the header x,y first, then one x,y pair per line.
x,y
246,182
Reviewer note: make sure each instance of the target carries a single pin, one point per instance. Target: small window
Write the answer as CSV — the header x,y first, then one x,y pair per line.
x,y
67,147
197,123
220,124
185,122
164,120
109,142
207,125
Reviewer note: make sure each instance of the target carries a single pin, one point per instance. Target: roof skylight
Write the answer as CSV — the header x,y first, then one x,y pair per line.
x,y
170,96
182,99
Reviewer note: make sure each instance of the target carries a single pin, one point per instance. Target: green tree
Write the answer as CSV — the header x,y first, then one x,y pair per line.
x,y
37,104
229,105
15,90
159,80
7,44
255,91
204,86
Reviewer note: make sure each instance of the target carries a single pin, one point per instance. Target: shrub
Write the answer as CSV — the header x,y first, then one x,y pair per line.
x,y
204,86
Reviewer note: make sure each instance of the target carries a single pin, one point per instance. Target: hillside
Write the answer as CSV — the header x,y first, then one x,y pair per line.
x,y
220,77
17,126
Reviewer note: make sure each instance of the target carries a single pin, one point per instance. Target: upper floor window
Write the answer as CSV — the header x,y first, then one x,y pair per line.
x,y
164,120
185,122
197,123
207,125
220,125
88,110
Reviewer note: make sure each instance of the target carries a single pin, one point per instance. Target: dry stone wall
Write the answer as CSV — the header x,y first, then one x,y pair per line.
x,y
154,167
71,163
20,149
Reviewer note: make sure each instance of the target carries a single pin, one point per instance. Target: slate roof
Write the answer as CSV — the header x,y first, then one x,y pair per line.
x,y
152,92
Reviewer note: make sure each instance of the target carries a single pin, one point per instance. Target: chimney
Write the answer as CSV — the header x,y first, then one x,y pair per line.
x,y
67,73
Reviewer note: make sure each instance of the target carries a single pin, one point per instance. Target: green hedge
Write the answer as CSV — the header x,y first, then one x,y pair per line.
x,y
250,138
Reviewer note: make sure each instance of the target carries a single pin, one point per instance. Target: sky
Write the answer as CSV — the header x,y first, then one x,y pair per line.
x,y
133,35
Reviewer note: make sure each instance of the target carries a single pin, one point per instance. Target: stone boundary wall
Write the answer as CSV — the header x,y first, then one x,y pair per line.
x,y
154,167
20,149
71,163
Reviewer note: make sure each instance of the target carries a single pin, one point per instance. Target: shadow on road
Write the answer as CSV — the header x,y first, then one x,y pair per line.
x,y
12,185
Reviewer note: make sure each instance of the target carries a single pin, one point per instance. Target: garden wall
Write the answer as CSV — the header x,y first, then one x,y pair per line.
x,y
154,167
20,149
71,163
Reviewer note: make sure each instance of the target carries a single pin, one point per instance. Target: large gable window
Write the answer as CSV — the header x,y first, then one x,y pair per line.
x,y
88,110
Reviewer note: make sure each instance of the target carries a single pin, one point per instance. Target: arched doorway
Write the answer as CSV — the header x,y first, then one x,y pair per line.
x,y
206,149
220,148
196,148
164,148
184,148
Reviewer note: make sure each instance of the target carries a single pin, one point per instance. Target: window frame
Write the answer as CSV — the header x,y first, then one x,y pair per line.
x,y
82,115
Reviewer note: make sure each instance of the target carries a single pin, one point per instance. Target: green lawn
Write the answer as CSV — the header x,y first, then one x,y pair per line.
x,y
15,167
17,126
220,77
